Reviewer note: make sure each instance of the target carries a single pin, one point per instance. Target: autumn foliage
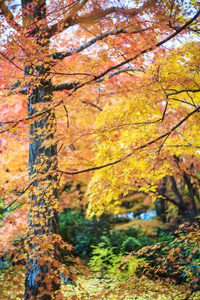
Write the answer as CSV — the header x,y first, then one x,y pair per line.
x,y
104,86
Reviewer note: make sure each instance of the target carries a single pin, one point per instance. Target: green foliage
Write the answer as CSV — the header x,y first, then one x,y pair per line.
x,y
104,258
131,238
85,233
82,233
175,256
3,212
177,259
164,236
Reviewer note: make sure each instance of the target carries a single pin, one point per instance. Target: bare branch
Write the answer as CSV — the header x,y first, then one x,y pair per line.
x,y
10,60
196,30
61,55
12,90
65,86
183,91
90,169
118,72
164,197
19,195
92,104
21,91
70,86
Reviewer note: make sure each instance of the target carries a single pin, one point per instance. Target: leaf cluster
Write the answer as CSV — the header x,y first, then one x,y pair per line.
x,y
175,258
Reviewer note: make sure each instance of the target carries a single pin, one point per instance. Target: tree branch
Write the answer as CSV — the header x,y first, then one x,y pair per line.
x,y
183,91
175,190
12,62
164,197
141,52
15,123
65,86
13,91
20,194
92,104
118,72
21,91
152,47
78,7
8,15
70,86
73,19
60,55
135,149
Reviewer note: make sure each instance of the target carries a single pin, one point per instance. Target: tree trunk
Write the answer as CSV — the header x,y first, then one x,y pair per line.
x,y
160,204
42,277
191,193
189,184
43,223
183,209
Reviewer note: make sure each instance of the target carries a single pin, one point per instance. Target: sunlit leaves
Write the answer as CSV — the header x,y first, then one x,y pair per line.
x,y
141,130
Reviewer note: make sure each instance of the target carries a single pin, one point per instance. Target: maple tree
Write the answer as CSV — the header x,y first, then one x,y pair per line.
x,y
155,139
69,62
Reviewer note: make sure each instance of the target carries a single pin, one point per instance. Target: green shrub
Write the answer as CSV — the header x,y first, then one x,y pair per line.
x,y
82,233
178,259
118,237
105,260
164,236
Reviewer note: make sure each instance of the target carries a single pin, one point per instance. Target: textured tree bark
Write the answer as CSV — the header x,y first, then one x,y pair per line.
x,y
42,278
43,223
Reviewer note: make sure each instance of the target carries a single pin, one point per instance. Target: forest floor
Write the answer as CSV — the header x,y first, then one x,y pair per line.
x,y
90,288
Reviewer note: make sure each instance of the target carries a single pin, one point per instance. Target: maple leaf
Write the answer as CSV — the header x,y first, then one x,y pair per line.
x,y
138,110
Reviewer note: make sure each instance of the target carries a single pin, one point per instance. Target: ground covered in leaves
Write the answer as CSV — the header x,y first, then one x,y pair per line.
x,y
89,287
92,287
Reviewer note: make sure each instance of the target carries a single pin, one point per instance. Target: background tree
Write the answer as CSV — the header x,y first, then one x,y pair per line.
x,y
62,58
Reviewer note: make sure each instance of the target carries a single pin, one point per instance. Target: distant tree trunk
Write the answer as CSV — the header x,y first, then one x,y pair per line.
x,y
160,205
190,187
191,192
42,277
183,208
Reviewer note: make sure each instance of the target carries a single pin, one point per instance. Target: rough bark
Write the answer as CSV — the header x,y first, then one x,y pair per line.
x,y
42,277
43,223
